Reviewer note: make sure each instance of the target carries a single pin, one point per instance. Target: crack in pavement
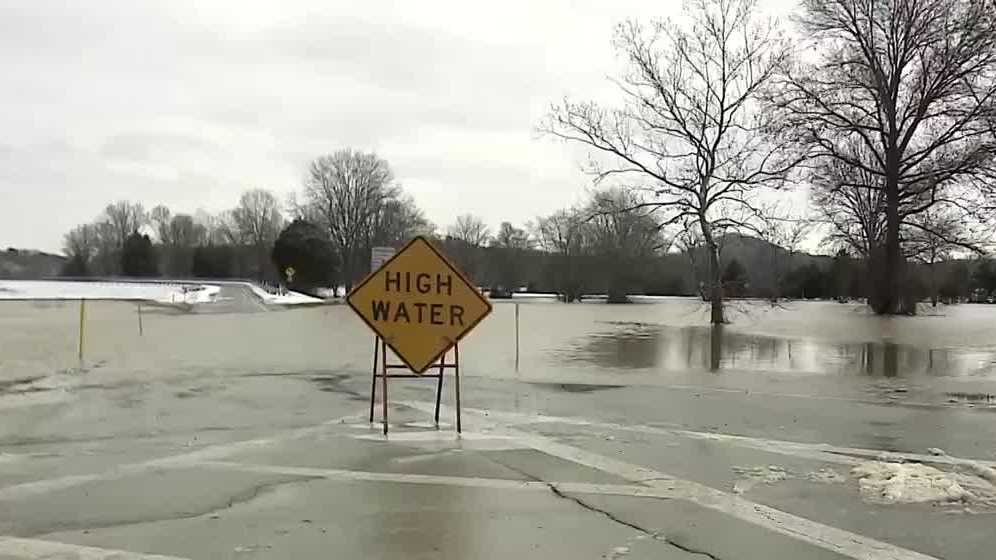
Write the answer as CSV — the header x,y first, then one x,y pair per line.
x,y
612,517
239,498
615,519
607,514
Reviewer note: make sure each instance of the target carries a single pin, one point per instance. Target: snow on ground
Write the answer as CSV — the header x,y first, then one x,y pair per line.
x,y
884,482
286,298
906,483
749,477
162,292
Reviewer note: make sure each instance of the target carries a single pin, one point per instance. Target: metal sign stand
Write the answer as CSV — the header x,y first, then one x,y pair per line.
x,y
380,351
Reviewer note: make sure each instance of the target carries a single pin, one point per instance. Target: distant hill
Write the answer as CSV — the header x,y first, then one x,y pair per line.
x,y
754,252
764,262
25,264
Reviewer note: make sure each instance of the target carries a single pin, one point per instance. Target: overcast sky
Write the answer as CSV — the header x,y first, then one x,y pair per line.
x,y
188,103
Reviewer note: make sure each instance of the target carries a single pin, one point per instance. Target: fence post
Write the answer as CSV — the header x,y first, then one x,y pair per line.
x,y
516,337
141,330
82,332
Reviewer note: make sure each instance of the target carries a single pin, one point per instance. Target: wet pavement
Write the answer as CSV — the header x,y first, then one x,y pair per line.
x,y
628,432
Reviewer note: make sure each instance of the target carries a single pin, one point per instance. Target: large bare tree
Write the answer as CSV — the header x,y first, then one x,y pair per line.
x,y
566,234
624,235
258,221
80,246
124,218
178,234
348,190
689,132
902,91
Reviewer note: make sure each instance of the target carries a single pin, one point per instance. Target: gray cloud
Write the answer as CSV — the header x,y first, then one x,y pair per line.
x,y
187,103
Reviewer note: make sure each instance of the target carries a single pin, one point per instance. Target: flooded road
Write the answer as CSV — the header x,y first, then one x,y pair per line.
x,y
633,431
805,347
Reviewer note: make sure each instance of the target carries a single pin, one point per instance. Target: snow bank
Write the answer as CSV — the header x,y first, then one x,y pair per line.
x,y
287,298
907,483
162,292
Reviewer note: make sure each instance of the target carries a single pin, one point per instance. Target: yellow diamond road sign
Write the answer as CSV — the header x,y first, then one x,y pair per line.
x,y
419,303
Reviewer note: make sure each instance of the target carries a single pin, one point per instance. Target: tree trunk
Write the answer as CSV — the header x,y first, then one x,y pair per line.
x,y
347,270
715,276
888,290
715,347
934,296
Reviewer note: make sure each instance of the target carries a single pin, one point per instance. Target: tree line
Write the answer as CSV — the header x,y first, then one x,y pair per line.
x,y
885,110
350,203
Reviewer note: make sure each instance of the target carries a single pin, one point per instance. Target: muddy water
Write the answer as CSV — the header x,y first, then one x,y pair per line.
x,y
639,346
596,343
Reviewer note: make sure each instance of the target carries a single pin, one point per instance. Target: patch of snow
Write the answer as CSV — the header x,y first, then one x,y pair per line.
x,y
752,476
161,292
286,298
907,483
619,552
826,476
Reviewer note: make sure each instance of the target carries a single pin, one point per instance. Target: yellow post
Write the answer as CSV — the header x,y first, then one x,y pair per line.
x,y
82,327
517,337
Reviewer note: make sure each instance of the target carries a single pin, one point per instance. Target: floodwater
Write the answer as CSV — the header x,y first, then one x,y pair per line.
x,y
662,347
665,341
197,425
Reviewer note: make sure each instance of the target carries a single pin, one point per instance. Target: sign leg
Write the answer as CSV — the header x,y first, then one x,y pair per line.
x,y
373,378
439,388
383,364
456,370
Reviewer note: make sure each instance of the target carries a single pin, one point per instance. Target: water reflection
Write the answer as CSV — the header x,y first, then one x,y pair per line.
x,y
646,346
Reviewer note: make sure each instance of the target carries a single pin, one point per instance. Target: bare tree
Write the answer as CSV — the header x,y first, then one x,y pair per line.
x,y
784,235
224,229
934,236
511,237
160,217
689,132
178,236
506,259
566,235
397,220
185,232
258,222
80,246
124,218
107,259
902,91
471,230
622,233
844,196
348,189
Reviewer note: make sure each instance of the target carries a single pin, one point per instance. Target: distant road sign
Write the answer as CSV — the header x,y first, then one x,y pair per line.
x,y
419,304
379,256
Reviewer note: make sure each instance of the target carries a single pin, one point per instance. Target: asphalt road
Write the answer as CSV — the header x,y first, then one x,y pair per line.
x,y
286,465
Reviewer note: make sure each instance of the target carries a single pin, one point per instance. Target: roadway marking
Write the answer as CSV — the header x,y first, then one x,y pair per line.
x,y
440,480
816,451
34,549
647,483
830,538
207,453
